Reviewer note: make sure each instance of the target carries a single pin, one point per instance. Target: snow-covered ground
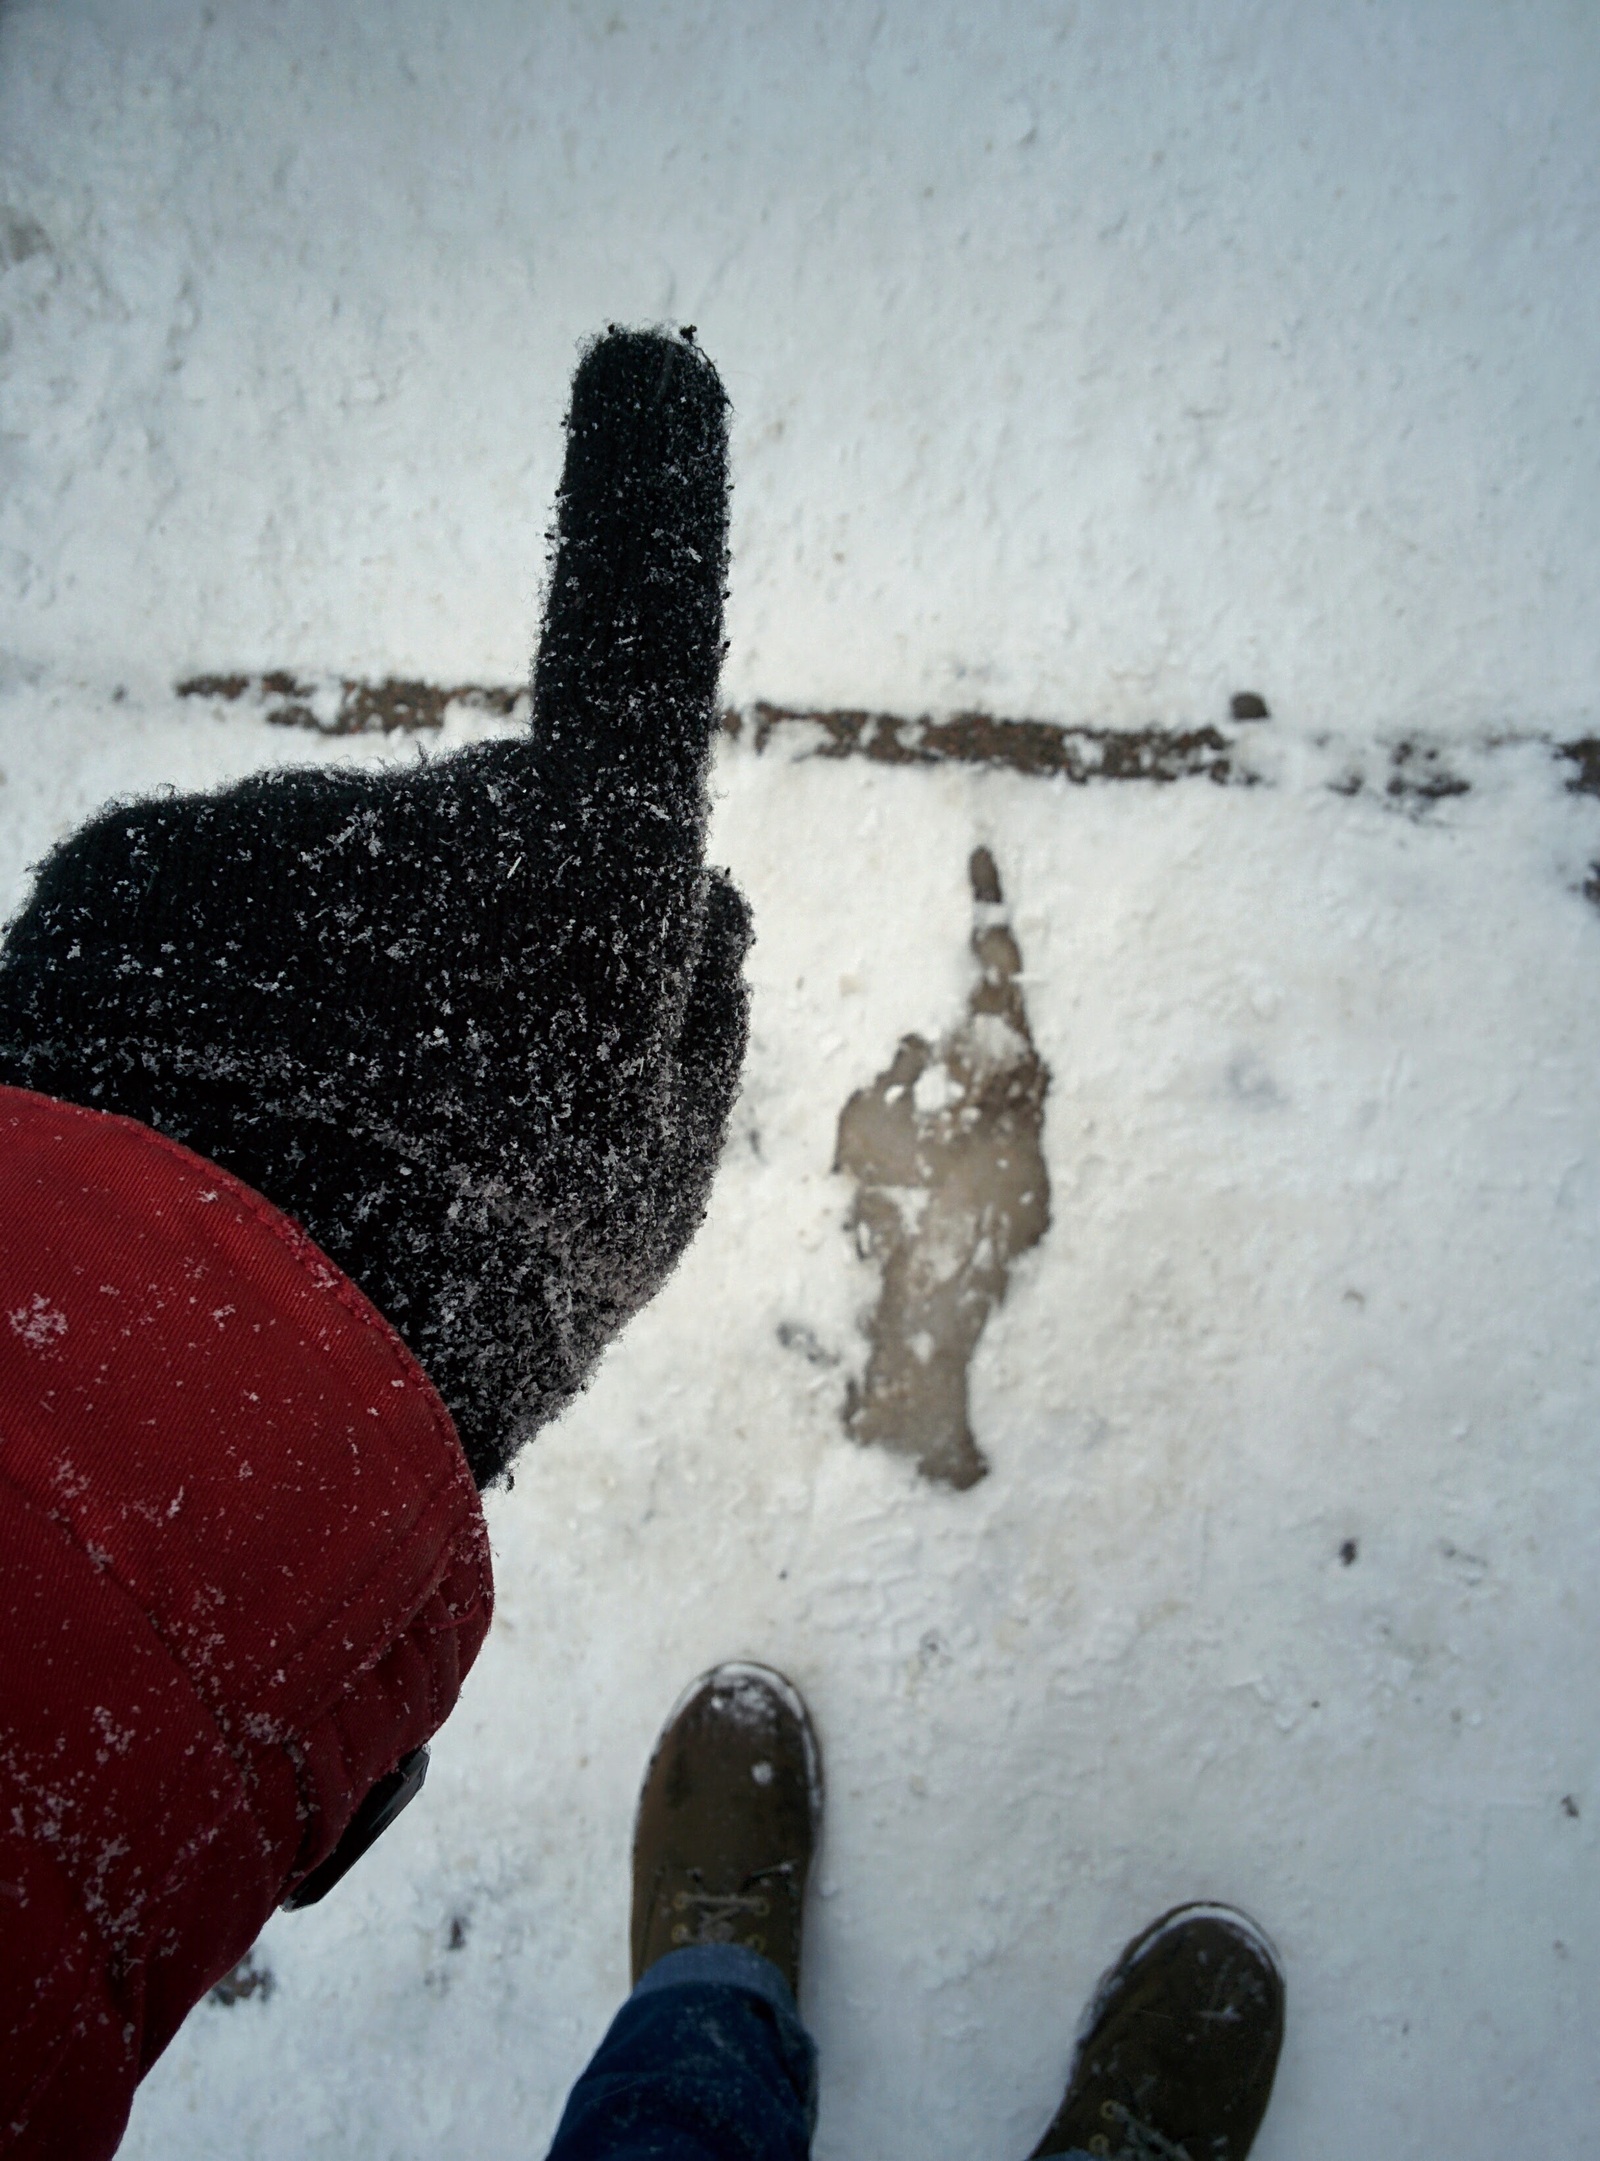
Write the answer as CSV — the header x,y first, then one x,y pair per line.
x,y
1091,364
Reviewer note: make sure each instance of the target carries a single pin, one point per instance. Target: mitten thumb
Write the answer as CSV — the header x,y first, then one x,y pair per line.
x,y
626,677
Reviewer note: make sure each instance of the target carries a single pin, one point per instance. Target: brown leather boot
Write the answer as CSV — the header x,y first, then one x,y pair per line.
x,y
1176,2053
727,1821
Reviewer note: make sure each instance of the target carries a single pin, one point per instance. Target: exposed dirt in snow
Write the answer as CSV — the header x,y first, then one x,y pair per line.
x,y
1034,747
248,1979
346,706
1411,771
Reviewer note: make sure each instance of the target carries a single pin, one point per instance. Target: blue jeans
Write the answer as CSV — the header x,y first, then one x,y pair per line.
x,y
706,2061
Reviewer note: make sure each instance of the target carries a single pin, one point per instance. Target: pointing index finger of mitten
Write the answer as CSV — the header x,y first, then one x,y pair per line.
x,y
626,679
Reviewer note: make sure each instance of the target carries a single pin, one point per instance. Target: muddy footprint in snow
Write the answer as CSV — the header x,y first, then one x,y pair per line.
x,y
950,1187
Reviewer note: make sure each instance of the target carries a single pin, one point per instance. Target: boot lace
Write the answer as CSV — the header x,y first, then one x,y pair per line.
x,y
1140,2141
714,1915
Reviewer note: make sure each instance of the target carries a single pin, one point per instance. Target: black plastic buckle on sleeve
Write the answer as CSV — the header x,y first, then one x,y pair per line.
x,y
381,1806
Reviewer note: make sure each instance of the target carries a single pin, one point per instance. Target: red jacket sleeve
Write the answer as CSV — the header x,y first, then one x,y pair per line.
x,y
243,1571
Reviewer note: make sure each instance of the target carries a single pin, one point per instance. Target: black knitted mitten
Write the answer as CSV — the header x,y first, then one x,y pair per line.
x,y
476,1022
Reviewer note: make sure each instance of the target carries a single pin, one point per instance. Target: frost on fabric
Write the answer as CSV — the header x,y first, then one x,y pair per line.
x,y
40,1324
945,1150
475,1023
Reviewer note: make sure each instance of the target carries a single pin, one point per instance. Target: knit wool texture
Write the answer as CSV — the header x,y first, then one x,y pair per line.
x,y
476,1024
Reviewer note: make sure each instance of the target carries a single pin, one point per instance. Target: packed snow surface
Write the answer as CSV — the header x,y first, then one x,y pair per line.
x,y
1091,360
1089,364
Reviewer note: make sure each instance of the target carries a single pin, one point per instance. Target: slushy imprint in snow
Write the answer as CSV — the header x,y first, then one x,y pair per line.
x,y
951,1186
